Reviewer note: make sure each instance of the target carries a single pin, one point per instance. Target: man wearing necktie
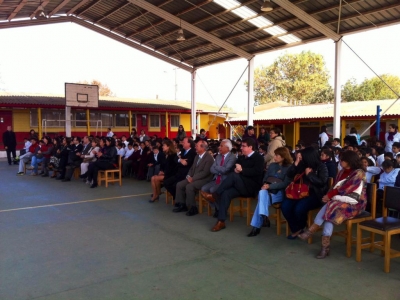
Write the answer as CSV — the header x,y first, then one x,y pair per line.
x,y
184,162
224,164
199,174
245,181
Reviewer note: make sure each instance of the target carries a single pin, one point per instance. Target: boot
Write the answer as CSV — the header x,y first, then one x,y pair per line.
x,y
266,222
309,232
326,240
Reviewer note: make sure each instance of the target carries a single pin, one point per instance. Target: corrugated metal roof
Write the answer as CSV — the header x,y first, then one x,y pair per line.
x,y
320,111
149,30
108,102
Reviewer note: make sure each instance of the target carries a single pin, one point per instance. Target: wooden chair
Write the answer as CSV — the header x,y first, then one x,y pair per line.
x,y
77,172
312,213
168,196
363,216
385,226
204,203
241,208
108,176
279,220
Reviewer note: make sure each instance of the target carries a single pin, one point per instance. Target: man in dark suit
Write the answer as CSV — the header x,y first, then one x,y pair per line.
x,y
185,161
10,144
244,181
75,156
223,165
198,175
140,166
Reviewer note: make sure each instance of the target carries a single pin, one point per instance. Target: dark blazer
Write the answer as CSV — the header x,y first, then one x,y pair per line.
x,y
110,155
9,139
332,169
170,166
160,159
252,173
183,170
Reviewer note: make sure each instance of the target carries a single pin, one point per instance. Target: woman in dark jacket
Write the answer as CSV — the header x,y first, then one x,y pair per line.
x,y
316,177
167,169
328,158
106,160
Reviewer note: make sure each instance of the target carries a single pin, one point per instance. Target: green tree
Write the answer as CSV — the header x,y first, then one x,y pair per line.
x,y
371,89
295,78
104,90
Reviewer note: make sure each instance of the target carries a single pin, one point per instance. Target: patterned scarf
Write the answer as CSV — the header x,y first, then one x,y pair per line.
x,y
391,135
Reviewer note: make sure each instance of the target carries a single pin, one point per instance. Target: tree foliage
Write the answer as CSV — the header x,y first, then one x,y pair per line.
x,y
295,78
371,89
104,90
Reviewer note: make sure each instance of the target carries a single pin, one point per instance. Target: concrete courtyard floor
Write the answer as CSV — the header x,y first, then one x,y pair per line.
x,y
67,241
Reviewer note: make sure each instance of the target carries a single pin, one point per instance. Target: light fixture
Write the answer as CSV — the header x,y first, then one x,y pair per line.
x,y
180,36
40,14
267,6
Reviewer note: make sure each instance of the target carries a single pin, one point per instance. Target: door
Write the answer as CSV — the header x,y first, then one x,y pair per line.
x,y
5,120
221,131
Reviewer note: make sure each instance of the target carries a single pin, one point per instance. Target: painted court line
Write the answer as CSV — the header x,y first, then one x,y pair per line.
x,y
69,203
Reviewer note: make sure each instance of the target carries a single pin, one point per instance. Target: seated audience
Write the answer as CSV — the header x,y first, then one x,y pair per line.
x,y
90,156
272,191
23,159
369,168
345,201
327,157
155,160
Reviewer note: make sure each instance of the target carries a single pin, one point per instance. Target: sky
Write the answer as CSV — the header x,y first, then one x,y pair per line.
x,y
40,59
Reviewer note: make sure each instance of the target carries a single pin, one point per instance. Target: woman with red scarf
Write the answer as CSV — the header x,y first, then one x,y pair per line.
x,y
344,201
391,136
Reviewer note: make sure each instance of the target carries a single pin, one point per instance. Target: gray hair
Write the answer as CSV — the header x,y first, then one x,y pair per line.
x,y
228,143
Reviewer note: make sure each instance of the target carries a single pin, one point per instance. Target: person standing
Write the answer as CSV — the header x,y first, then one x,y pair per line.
x,y
277,141
323,137
10,144
391,137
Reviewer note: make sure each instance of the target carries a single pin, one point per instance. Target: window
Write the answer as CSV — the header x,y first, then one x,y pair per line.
x,y
121,120
155,121
54,118
106,119
175,121
34,118
133,120
144,120
80,116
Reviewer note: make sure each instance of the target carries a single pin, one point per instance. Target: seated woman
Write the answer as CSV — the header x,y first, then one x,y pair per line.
x,y
370,169
328,158
106,160
54,159
91,156
387,178
345,201
315,175
167,169
275,182
42,156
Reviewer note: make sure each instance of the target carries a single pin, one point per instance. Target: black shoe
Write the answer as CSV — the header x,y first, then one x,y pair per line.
x,y
45,175
182,207
94,185
66,179
59,178
193,211
266,222
41,173
177,204
83,176
215,215
255,231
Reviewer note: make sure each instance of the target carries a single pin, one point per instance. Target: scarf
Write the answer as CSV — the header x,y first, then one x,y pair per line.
x,y
391,135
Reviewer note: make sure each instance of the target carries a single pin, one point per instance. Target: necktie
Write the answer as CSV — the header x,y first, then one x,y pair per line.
x,y
198,161
218,181
155,157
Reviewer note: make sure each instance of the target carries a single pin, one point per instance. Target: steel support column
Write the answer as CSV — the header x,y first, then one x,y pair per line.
x,y
68,121
250,92
193,106
337,90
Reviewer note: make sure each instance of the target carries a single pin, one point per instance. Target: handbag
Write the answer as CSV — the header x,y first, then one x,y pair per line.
x,y
272,179
297,190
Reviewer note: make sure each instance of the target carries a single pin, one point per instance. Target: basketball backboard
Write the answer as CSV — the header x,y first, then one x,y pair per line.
x,y
81,95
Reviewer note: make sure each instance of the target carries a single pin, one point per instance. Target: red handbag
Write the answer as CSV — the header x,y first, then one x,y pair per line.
x,y
297,190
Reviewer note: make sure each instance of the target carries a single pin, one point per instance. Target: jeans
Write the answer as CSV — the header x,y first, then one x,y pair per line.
x,y
35,162
265,200
319,220
23,160
295,211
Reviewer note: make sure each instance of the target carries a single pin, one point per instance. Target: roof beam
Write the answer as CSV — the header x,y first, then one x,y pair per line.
x,y
140,30
17,9
42,4
80,4
137,17
113,11
26,23
129,43
302,15
58,7
95,2
185,25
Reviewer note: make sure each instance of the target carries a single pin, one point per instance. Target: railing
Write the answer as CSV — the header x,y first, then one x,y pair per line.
x,y
61,123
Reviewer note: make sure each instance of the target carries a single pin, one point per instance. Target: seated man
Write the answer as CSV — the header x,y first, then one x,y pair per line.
x,y
184,160
245,181
155,161
74,156
139,166
27,144
223,165
198,175
23,159
131,156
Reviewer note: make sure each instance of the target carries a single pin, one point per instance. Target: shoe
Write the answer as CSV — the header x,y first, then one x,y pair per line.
x,y
291,237
266,222
45,175
326,240
309,232
33,174
255,231
20,174
209,197
83,176
215,215
41,173
59,178
182,207
94,185
192,211
219,226
65,180
28,168
154,200
53,176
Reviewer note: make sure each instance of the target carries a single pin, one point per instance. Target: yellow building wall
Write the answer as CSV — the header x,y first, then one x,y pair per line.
x,y
21,121
213,124
185,122
288,132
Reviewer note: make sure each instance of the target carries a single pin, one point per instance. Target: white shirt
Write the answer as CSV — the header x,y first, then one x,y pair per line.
x,y
126,144
27,145
110,134
389,144
372,159
371,171
380,159
121,152
323,138
128,152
